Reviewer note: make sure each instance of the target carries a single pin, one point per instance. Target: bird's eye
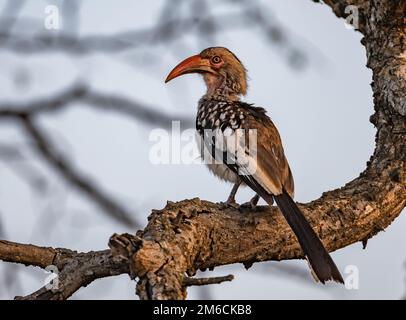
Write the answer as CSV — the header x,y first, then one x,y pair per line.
x,y
216,59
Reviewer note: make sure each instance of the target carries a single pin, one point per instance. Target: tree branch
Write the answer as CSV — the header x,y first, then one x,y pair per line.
x,y
165,31
74,270
188,281
194,234
28,254
82,94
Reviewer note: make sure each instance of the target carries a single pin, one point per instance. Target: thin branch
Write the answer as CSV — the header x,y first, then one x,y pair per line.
x,y
163,32
101,101
188,281
115,43
29,254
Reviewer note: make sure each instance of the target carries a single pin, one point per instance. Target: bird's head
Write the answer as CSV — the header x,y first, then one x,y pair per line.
x,y
223,72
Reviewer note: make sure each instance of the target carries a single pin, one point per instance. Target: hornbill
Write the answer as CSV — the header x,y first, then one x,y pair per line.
x,y
225,125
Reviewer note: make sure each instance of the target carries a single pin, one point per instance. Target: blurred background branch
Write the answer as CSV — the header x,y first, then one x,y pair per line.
x,y
173,24
104,102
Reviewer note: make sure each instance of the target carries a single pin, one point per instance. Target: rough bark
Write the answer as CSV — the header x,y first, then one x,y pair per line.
x,y
73,269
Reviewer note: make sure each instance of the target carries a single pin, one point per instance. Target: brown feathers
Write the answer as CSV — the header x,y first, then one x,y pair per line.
x,y
232,70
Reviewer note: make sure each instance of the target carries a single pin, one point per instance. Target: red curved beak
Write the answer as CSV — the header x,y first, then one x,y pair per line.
x,y
193,64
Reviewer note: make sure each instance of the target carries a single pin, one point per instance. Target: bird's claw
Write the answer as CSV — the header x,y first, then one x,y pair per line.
x,y
229,204
249,205
252,204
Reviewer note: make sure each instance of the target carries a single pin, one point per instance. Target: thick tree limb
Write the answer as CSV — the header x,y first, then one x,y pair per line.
x,y
81,270
194,234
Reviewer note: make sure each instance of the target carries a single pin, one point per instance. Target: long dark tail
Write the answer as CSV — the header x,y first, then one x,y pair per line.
x,y
320,260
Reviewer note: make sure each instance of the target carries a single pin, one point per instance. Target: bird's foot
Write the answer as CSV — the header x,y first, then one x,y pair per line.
x,y
229,204
248,205
252,204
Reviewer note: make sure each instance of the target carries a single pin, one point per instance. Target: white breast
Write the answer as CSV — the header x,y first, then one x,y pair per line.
x,y
223,172
218,169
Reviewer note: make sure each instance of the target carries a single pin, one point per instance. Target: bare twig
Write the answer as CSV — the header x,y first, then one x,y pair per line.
x,y
101,101
188,281
171,25
166,31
